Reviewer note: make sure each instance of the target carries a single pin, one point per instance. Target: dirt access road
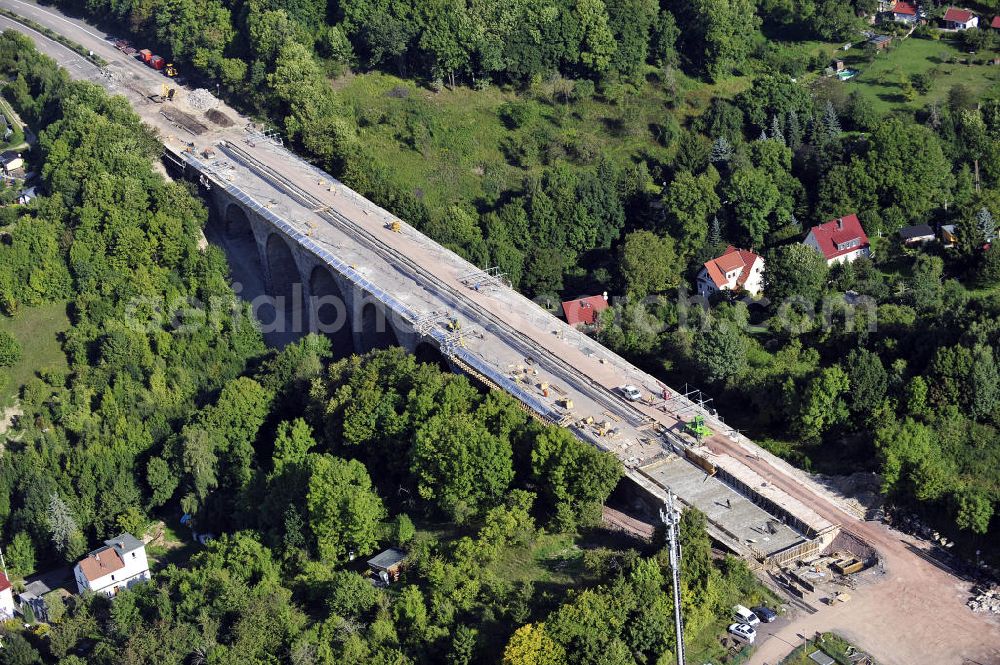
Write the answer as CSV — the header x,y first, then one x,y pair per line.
x,y
915,615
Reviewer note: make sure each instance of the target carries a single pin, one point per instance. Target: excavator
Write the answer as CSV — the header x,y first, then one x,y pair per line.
x,y
170,70
166,94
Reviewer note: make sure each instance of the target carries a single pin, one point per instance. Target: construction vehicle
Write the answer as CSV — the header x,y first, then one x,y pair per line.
x,y
125,46
170,70
157,62
697,428
145,55
165,95
395,226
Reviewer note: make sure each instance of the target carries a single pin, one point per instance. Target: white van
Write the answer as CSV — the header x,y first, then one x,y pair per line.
x,y
743,615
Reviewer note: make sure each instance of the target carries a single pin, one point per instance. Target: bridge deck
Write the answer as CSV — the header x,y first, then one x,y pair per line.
x,y
506,336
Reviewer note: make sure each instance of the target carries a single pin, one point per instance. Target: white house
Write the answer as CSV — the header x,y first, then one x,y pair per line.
x,y
904,12
839,240
25,196
735,269
960,19
118,565
11,162
6,599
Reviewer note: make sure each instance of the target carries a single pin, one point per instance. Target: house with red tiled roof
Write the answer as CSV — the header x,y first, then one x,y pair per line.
x,y
839,240
584,311
904,12
734,269
959,19
118,565
995,23
6,598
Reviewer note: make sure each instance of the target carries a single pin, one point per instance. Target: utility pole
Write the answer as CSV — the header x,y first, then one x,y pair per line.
x,y
671,518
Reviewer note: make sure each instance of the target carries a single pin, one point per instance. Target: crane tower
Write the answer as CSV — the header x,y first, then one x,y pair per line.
x,y
671,518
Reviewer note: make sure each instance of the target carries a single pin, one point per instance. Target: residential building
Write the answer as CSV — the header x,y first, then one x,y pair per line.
x,y
916,235
388,564
880,41
585,311
839,240
11,162
6,598
734,269
118,565
25,196
949,237
960,19
904,12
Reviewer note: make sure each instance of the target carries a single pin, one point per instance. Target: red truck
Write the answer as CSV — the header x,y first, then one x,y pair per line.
x,y
146,55
156,62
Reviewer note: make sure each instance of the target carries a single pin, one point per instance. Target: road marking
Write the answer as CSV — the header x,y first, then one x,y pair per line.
x,y
60,18
18,26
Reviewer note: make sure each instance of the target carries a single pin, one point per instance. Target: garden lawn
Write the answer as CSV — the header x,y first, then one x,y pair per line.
x,y
553,559
881,80
38,329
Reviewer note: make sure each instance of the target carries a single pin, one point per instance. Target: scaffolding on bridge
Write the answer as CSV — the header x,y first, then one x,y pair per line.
x,y
490,278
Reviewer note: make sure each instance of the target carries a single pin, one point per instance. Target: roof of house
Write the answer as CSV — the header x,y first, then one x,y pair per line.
x,y
918,231
880,39
733,258
995,23
958,15
4,582
387,559
906,8
101,562
948,228
584,310
836,232
124,543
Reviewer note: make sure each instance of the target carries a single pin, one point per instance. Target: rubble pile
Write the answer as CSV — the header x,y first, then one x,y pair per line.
x,y
202,100
113,76
988,600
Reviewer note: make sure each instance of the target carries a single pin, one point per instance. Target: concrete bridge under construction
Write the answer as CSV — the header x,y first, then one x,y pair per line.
x,y
344,267
306,238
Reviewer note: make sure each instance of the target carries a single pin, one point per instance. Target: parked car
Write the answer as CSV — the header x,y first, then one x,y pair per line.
x,y
743,632
743,615
765,614
632,393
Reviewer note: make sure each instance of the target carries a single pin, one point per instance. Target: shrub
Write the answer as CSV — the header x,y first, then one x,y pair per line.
x,y
10,349
582,90
517,114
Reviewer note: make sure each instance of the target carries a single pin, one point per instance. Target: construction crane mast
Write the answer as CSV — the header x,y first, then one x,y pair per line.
x,y
671,518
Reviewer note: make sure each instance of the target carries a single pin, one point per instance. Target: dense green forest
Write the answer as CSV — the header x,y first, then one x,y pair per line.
x,y
754,161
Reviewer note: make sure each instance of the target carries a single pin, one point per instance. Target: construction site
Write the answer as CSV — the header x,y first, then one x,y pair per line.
x,y
664,438
308,229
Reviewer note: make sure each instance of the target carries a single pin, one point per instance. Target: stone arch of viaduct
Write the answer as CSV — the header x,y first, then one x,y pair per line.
x,y
313,296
